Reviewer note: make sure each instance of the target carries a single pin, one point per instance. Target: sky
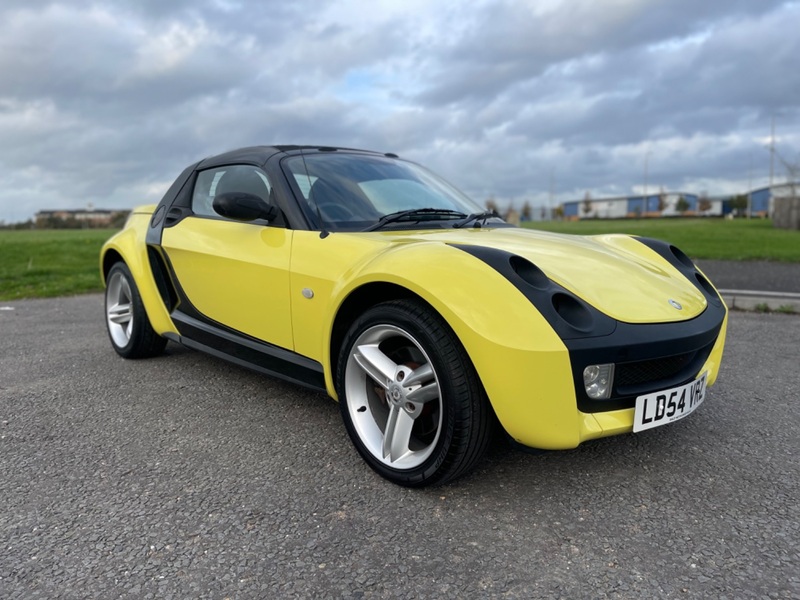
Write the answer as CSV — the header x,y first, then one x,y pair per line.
x,y
103,103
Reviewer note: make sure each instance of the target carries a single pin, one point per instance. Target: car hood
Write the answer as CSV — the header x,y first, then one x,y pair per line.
x,y
616,274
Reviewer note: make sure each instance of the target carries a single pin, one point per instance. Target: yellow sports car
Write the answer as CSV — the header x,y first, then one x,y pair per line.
x,y
429,319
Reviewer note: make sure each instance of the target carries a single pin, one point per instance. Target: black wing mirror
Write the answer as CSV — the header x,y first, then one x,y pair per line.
x,y
241,206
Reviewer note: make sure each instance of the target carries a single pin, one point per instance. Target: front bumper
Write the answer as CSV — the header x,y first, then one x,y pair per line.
x,y
647,357
555,413
604,422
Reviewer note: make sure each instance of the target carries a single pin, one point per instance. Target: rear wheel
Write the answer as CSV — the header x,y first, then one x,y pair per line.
x,y
409,395
128,326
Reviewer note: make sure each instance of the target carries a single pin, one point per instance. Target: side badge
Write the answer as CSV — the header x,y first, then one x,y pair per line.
x,y
674,304
308,293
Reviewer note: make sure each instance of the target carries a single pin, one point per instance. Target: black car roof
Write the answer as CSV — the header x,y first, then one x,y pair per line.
x,y
258,155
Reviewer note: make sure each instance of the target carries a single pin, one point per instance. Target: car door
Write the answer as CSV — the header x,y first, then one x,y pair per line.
x,y
233,273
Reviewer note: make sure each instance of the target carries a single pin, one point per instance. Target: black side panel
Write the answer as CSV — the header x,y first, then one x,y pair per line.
x,y
249,353
159,218
160,274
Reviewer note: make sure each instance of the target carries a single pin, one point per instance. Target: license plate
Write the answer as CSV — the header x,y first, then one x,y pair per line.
x,y
661,408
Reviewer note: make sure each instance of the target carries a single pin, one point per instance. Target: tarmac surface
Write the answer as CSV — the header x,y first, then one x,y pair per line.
x,y
752,275
186,477
760,286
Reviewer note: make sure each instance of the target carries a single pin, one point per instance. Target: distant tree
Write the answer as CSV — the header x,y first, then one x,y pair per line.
x,y
491,204
558,212
682,205
703,204
739,203
587,203
662,200
526,214
511,216
49,223
118,219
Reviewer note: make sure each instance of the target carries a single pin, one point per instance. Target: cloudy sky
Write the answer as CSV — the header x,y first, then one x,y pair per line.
x,y
105,101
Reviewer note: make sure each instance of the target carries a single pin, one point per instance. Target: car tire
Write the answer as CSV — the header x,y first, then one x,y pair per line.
x,y
126,320
410,398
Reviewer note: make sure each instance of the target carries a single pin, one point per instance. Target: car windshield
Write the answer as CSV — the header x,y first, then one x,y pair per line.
x,y
352,192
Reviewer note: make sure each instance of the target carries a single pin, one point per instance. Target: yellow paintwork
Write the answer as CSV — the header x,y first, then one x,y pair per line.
x,y
129,243
603,261
238,274
502,339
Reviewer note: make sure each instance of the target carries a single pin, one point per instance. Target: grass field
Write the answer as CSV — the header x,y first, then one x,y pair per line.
x,y
738,239
46,263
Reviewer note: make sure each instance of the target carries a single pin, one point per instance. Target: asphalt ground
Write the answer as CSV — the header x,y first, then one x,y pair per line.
x,y
185,477
758,275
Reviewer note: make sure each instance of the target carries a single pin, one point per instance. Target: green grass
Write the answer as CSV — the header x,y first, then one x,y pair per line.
x,y
47,263
738,239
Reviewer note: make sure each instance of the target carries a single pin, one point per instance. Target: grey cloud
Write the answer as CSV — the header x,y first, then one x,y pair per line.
x,y
508,43
105,102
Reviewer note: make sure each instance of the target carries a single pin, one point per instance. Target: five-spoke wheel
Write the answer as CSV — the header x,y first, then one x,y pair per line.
x,y
128,327
410,398
394,399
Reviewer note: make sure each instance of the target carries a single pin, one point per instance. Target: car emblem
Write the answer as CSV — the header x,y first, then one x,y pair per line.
x,y
675,304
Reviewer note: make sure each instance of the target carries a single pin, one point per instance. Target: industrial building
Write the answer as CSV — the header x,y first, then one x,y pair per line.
x,y
671,204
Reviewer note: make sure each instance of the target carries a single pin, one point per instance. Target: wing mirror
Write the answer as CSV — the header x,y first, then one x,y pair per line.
x,y
241,206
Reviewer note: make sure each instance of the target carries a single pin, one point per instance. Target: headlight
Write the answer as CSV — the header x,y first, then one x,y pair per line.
x,y
598,379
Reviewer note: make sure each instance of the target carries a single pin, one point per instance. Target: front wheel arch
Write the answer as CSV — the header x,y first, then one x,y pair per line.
x,y
357,303
401,366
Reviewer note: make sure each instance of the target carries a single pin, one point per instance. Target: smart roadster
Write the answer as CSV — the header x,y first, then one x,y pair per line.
x,y
429,319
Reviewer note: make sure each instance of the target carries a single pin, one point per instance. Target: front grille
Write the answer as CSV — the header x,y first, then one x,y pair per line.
x,y
638,376
646,371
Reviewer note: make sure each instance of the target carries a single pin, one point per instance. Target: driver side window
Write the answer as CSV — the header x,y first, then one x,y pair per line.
x,y
231,178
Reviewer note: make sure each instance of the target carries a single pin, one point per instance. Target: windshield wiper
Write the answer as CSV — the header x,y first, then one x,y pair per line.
x,y
412,214
475,217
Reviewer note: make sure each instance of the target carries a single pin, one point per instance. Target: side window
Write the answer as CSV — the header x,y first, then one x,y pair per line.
x,y
232,178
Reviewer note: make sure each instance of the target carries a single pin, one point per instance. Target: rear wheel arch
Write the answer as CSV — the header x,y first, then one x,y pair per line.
x,y
110,258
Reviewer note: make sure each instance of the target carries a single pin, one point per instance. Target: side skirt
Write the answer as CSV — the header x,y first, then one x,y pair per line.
x,y
261,357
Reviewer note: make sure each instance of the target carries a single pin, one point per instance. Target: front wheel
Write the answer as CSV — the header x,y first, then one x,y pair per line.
x,y
409,395
128,326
